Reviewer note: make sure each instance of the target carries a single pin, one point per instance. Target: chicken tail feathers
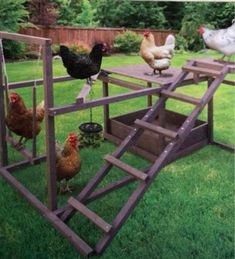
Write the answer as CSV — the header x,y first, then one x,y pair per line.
x,y
40,110
170,40
64,53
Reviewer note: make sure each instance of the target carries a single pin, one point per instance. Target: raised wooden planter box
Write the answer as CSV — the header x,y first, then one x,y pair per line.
x,y
149,144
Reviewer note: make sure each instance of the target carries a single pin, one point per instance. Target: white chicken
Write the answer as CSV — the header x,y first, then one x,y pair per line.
x,y
157,57
222,40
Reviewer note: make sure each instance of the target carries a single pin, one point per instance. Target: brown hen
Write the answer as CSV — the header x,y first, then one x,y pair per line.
x,y
19,119
68,162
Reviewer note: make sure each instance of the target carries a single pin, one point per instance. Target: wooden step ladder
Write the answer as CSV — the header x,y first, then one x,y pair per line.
x,y
146,177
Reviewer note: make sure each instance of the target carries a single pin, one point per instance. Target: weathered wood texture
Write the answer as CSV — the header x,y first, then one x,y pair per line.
x,y
70,35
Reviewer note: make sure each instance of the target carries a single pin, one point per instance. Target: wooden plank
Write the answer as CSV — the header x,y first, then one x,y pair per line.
x,y
150,98
181,97
214,64
23,150
227,147
84,92
54,111
21,164
127,168
15,85
25,38
204,63
90,215
3,144
210,116
50,128
199,70
75,240
157,129
229,82
116,81
105,88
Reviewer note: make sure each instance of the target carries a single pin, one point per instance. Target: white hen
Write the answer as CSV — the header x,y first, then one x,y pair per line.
x,y
157,57
222,40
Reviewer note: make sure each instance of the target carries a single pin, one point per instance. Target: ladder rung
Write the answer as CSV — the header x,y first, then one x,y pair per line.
x,y
201,70
181,97
127,168
90,215
157,129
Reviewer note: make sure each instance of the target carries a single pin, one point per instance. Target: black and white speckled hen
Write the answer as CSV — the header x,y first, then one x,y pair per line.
x,y
222,40
83,66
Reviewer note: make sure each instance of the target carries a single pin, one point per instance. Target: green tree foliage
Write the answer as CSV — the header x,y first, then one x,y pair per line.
x,y
12,15
129,14
221,14
211,15
174,13
87,14
75,12
69,11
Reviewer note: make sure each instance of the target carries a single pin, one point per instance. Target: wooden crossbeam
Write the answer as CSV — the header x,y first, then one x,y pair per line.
x,y
23,150
125,167
90,215
181,97
157,129
200,70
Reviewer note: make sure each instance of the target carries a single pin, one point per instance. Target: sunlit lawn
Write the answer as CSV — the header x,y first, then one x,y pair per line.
x,y
188,211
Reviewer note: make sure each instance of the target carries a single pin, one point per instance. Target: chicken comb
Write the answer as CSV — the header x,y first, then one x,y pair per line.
x,y
13,94
73,135
146,33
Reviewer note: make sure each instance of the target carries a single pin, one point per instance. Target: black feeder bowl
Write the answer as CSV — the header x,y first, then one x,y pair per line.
x,y
91,134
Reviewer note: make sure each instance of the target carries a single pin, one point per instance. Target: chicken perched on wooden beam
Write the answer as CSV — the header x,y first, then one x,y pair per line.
x,y
157,57
83,66
222,40
68,162
19,119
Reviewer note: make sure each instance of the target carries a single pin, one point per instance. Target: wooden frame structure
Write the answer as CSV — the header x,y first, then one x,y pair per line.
x,y
202,70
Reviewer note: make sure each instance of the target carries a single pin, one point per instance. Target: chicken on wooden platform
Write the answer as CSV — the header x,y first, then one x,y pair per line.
x,y
157,57
83,66
222,40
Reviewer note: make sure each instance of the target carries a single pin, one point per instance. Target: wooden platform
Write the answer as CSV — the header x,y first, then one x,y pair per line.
x,y
168,76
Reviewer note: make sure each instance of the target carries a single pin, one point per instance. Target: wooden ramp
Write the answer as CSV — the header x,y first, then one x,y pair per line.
x,y
146,177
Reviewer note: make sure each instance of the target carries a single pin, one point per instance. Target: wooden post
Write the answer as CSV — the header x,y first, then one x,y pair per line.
x,y
162,122
3,144
150,99
210,116
106,108
50,127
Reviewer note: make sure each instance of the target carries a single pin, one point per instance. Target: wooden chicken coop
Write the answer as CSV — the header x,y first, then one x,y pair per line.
x,y
154,133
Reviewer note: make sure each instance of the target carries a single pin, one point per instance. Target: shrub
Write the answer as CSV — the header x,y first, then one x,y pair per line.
x,y
14,49
80,48
55,49
127,42
77,47
181,43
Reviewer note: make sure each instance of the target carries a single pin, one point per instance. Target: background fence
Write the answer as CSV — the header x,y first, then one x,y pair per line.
x,y
66,34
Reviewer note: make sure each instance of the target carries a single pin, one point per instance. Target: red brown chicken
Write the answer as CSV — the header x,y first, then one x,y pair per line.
x,y
19,119
68,162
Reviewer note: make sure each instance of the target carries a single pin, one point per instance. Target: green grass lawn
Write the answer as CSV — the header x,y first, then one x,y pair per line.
x,y
188,212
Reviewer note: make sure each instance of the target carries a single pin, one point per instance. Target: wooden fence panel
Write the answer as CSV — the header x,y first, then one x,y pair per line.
x,y
66,34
